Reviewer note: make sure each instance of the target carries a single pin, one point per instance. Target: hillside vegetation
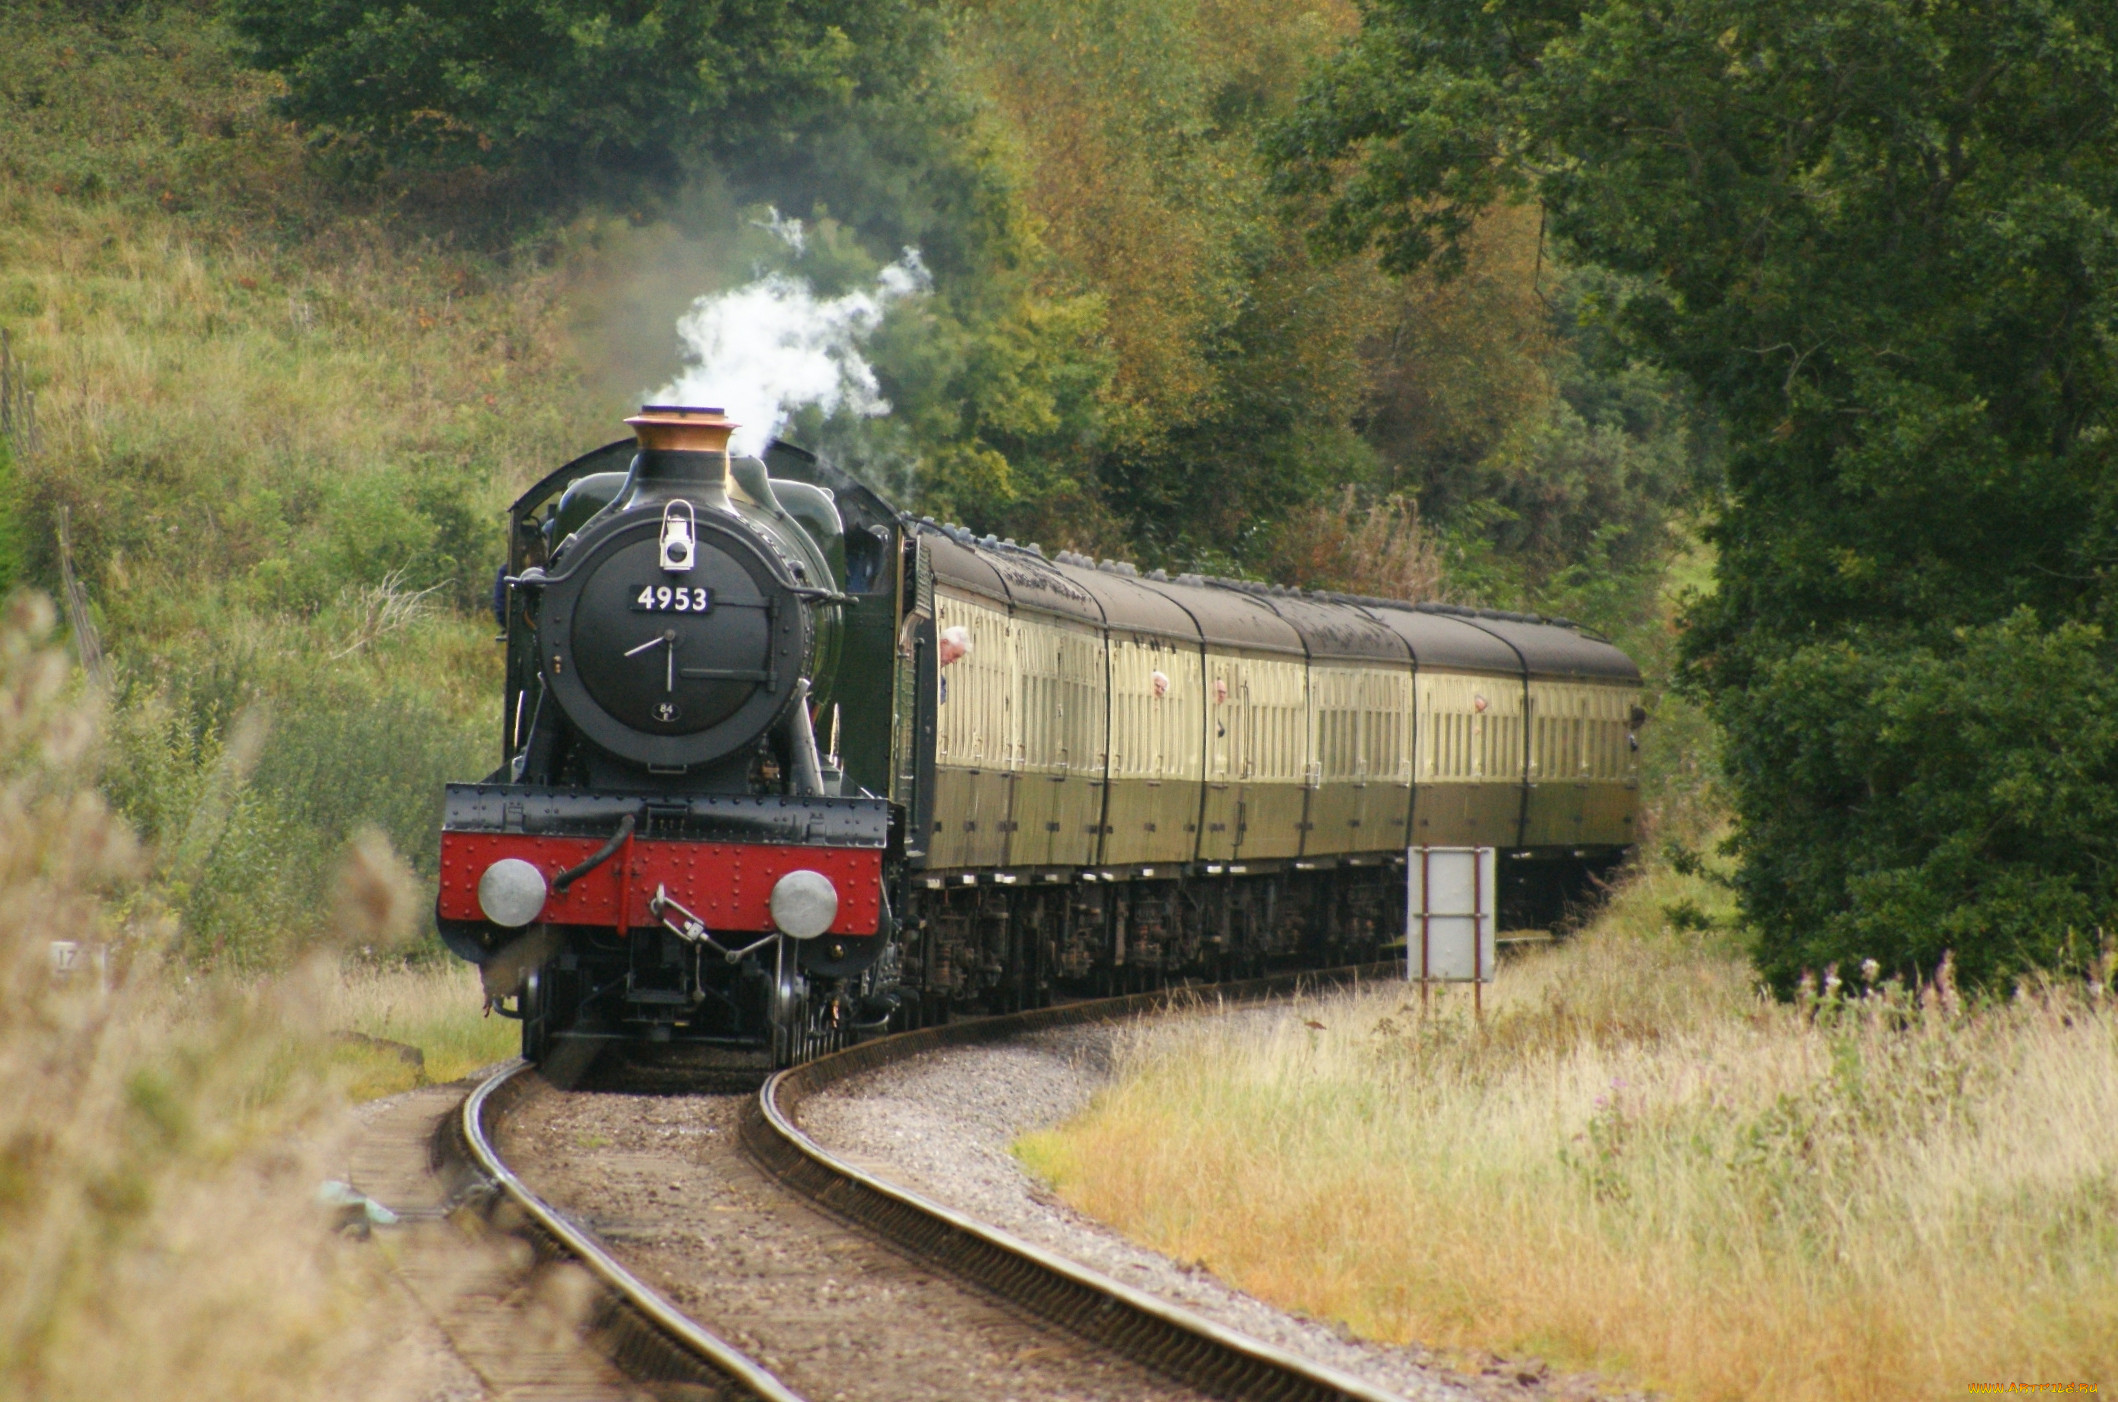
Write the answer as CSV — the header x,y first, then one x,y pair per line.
x,y
279,431
1775,340
286,375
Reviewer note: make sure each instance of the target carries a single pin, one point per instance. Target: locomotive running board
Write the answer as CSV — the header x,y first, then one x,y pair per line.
x,y
766,818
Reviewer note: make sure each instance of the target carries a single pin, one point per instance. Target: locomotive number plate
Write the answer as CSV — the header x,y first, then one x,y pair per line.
x,y
663,598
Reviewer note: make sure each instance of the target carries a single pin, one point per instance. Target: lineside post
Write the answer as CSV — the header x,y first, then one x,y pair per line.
x,y
1451,896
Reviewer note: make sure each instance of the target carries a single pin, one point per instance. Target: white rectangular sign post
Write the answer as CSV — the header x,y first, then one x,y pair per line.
x,y
1449,927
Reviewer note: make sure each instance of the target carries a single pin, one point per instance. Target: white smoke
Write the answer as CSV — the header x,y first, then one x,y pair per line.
x,y
787,231
766,349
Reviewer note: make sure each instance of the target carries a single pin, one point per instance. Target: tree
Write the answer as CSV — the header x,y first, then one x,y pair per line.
x,y
638,89
1881,240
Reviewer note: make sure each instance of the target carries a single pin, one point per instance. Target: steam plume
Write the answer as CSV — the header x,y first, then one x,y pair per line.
x,y
768,348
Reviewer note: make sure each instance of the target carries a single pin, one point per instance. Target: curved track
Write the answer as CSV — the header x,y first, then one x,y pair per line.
x,y
649,1338
654,1341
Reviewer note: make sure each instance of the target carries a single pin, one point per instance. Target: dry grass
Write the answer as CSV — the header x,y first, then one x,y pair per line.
x,y
229,353
1637,1165
1380,550
434,1007
163,1132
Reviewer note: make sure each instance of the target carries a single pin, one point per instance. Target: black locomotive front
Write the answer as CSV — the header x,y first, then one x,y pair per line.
x,y
666,852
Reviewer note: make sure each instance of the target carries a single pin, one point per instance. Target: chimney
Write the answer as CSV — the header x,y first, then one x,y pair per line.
x,y
671,428
683,452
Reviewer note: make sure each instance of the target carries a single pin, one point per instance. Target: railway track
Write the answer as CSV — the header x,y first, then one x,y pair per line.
x,y
1062,1329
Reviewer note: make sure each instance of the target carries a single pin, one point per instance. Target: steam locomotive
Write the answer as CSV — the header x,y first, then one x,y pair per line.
x,y
783,766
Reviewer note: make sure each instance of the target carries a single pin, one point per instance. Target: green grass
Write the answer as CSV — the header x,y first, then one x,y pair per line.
x,y
436,1009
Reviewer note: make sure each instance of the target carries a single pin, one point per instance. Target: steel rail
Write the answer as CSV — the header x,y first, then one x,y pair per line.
x,y
1144,1328
650,1339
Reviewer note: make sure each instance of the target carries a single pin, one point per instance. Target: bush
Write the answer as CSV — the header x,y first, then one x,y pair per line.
x,y
410,525
160,1134
251,765
1900,800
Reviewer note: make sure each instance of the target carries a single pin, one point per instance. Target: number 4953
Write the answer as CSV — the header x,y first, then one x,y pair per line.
x,y
662,598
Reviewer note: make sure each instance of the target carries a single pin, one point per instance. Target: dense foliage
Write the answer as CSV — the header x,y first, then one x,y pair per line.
x,y
573,88
1881,238
1129,344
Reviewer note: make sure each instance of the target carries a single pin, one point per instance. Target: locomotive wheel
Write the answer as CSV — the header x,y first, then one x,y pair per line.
x,y
549,1003
817,1029
536,1015
787,1009
806,1027
825,1028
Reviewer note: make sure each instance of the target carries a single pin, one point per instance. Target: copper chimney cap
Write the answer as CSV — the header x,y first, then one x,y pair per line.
x,y
675,428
